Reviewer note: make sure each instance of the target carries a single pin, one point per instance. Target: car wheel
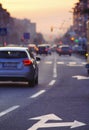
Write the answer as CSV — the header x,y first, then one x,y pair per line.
x,y
31,83
36,80
88,71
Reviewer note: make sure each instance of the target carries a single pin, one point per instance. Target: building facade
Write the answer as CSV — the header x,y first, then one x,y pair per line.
x,y
80,17
14,28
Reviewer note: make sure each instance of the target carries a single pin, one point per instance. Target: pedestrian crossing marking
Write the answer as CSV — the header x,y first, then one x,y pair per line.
x,y
74,64
67,63
84,63
48,62
60,62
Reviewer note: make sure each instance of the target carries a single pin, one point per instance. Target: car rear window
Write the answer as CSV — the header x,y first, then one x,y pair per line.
x,y
65,48
41,48
13,54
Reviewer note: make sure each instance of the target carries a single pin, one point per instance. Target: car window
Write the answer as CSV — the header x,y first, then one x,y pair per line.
x,y
13,54
65,48
41,48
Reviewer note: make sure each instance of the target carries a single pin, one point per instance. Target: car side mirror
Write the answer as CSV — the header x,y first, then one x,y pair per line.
x,y
38,58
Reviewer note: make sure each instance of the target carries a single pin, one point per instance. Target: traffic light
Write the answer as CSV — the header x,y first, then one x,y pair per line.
x,y
72,38
51,29
76,40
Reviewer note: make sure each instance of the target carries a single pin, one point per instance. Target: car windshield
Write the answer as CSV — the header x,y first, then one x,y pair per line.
x,y
13,54
65,48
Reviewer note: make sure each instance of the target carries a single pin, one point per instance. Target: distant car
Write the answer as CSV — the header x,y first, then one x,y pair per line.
x,y
33,48
18,64
79,50
64,50
44,49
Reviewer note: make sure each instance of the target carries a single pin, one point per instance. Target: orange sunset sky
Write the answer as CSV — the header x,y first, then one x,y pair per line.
x,y
45,13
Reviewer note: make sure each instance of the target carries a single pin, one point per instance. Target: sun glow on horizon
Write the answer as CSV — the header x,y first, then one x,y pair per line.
x,y
44,13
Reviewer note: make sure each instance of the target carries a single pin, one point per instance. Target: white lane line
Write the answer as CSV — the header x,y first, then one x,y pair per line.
x,y
8,110
52,82
60,63
48,62
38,94
84,63
55,69
72,63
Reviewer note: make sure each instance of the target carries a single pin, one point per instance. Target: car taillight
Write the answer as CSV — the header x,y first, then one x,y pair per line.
x,y
70,50
59,49
27,62
46,49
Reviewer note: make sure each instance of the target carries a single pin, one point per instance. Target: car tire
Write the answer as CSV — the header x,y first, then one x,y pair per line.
x,y
36,80
31,83
88,71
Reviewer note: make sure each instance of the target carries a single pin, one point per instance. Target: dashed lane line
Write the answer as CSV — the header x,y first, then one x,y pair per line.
x,y
8,110
38,94
52,82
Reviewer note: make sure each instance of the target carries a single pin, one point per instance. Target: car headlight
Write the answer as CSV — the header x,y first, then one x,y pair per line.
x,y
86,54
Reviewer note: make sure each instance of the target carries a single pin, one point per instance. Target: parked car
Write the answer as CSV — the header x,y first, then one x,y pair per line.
x,y
18,64
44,49
64,50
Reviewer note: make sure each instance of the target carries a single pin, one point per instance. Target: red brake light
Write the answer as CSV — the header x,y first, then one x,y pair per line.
x,y
70,50
27,62
46,49
59,49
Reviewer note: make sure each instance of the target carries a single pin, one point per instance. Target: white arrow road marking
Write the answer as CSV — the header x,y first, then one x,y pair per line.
x,y
64,124
43,119
9,110
79,77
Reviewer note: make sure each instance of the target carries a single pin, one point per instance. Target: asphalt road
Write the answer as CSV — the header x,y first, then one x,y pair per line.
x,y
59,102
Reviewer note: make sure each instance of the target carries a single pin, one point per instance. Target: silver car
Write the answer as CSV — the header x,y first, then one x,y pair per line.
x,y
18,64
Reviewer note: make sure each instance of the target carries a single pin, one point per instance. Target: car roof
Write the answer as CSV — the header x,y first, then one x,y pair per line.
x,y
43,45
31,45
65,45
13,48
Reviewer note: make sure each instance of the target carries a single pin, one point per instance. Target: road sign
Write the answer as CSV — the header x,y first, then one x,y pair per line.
x,y
3,31
26,35
44,119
